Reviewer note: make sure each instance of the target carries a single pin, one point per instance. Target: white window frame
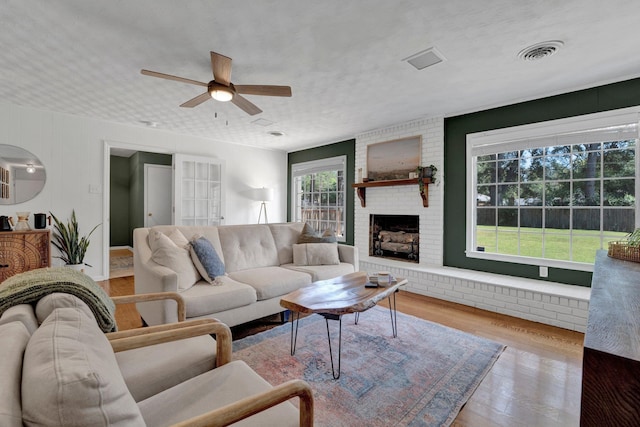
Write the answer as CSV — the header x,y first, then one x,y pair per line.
x,y
315,166
513,138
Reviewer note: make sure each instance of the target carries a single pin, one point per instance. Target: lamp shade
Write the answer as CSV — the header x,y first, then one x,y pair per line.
x,y
263,194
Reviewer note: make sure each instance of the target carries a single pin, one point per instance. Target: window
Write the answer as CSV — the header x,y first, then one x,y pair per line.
x,y
318,194
552,193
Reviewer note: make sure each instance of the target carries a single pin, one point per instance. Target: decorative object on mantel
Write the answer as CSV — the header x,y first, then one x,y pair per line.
x,y
628,249
393,160
362,193
426,172
66,238
23,221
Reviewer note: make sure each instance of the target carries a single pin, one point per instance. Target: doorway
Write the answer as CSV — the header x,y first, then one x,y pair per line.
x,y
157,195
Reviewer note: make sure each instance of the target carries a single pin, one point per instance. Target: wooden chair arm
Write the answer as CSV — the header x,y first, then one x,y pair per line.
x,y
154,296
251,405
142,337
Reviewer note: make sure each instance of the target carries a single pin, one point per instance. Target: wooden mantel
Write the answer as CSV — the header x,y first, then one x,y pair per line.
x,y
361,188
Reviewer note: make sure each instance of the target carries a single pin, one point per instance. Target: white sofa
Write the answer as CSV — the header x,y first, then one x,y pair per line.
x,y
259,266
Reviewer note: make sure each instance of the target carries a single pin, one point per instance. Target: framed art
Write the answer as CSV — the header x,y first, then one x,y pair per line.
x,y
393,159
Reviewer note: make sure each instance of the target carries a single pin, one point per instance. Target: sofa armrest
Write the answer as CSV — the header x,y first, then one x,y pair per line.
x,y
251,405
349,254
156,296
142,337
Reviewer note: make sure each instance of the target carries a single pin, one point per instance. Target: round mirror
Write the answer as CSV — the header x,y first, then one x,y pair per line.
x,y
22,175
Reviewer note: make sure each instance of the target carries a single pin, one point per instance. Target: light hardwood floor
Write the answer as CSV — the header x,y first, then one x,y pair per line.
x,y
535,382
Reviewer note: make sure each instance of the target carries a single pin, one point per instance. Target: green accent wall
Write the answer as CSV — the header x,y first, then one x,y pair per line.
x,y
594,100
119,202
127,194
344,148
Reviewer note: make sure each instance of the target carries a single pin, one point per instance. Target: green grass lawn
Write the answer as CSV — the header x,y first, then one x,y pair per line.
x,y
553,243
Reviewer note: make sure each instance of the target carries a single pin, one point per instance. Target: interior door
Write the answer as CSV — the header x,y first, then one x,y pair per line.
x,y
198,190
158,181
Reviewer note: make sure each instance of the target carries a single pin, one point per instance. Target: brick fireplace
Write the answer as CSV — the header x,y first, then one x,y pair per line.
x,y
395,237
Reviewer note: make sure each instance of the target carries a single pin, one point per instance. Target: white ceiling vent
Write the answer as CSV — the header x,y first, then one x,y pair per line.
x,y
425,59
540,50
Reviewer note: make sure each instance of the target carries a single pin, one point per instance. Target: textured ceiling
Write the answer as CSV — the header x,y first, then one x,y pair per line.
x,y
343,59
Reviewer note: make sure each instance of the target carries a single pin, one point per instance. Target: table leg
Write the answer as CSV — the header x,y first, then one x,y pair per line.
x,y
357,316
337,317
394,315
294,331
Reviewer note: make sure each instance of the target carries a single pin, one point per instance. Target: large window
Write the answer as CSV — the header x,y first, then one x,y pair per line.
x,y
318,194
552,193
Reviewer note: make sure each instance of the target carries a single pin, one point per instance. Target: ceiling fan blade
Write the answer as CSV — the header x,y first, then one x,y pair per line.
x,y
197,100
246,105
170,77
221,67
264,90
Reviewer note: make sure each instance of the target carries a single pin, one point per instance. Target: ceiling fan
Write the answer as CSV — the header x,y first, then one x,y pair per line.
x,y
221,88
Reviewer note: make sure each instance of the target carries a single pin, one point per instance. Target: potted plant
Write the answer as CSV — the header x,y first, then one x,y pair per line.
x,y
426,172
66,238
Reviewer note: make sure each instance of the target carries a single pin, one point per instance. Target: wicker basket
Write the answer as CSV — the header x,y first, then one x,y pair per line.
x,y
622,250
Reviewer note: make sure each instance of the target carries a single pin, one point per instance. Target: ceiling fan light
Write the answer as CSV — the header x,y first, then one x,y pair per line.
x,y
221,94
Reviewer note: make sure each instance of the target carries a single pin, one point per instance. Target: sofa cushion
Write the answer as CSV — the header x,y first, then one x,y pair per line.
x,y
71,378
204,299
14,337
270,282
310,235
155,368
165,251
285,236
21,313
316,254
206,259
214,389
323,272
247,246
47,304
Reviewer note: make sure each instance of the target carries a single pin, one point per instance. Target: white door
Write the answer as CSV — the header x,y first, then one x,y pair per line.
x,y
198,190
158,197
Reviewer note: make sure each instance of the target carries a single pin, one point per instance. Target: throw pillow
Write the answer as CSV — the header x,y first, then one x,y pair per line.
x,y
309,235
165,252
315,254
206,259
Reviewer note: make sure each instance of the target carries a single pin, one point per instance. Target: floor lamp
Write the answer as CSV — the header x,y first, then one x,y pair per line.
x,y
263,195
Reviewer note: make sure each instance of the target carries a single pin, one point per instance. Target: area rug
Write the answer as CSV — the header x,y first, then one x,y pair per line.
x,y
120,266
421,378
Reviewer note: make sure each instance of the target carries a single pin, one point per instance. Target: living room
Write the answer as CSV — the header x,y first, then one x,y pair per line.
x,y
72,126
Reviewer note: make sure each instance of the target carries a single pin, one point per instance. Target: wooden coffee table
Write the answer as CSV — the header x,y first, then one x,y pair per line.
x,y
336,297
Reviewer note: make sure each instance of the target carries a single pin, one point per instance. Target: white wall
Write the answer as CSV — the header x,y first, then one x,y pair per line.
x,y
72,151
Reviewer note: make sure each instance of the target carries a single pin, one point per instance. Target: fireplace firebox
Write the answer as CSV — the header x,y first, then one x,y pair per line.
x,y
395,237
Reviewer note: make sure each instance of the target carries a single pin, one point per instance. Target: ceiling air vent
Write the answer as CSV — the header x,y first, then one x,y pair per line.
x,y
540,50
425,59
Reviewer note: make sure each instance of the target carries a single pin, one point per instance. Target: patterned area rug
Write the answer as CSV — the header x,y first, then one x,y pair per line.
x,y
120,266
421,378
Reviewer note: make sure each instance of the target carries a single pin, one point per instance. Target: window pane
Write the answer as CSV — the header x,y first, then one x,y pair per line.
x,y
507,242
558,167
619,192
531,218
586,165
619,163
586,193
619,220
486,195
507,195
486,216
586,219
556,245
531,243
486,239
557,194
508,217
531,169
508,171
531,194
486,172
585,247
557,219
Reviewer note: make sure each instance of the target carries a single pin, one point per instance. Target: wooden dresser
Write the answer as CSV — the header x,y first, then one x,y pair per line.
x,y
24,250
611,360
